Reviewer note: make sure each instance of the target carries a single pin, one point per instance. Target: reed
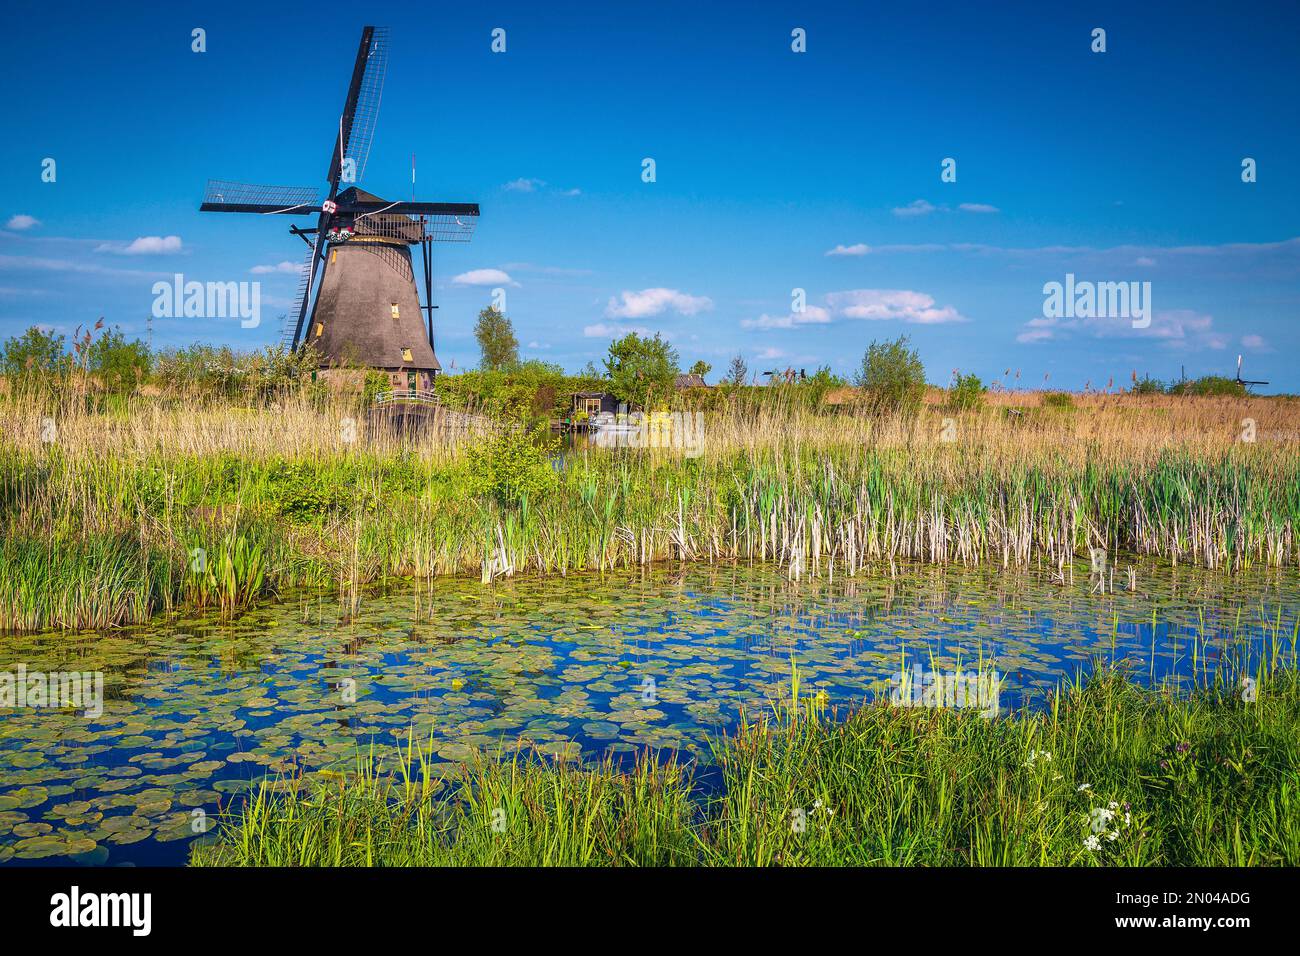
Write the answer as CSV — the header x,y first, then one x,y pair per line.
x,y
320,498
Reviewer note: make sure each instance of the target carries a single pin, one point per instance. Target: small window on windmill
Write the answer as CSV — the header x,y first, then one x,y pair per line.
x,y
334,254
396,312
320,330
406,356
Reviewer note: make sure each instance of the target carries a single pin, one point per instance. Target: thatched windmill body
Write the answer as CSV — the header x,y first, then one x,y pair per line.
x,y
367,311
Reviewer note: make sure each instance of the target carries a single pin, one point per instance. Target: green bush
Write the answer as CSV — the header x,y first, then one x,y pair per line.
x,y
1058,400
1209,385
376,384
1147,385
34,361
892,376
120,366
511,467
299,491
967,392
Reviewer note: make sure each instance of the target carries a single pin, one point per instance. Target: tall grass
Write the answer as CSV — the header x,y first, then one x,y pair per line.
x,y
324,497
1108,773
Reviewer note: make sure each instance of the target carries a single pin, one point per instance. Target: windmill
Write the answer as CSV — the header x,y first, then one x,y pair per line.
x,y
366,310
1245,383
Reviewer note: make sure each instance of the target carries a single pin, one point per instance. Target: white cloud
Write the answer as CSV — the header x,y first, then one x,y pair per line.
x,y
857,249
539,345
22,221
1255,343
1038,330
903,305
1144,261
918,207
771,353
42,264
977,207
885,304
492,277
143,246
289,268
604,330
811,315
648,302
1179,329
571,192
523,185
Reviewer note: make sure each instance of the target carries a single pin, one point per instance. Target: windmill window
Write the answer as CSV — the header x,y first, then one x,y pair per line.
x,y
406,356
396,311
320,330
334,254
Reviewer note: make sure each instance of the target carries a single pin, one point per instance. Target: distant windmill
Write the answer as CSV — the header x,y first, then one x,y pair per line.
x,y
1244,382
367,309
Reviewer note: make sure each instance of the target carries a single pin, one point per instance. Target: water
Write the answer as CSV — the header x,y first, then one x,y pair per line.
x,y
198,710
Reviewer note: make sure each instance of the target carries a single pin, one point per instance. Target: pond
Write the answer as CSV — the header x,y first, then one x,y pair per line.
x,y
197,710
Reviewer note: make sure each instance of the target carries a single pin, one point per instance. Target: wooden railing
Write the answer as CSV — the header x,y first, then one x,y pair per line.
x,y
407,396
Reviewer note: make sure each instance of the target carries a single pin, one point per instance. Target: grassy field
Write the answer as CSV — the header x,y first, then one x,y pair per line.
x,y
1107,773
107,518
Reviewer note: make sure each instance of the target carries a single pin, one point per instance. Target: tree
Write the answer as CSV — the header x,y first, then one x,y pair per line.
x,y
701,368
738,371
892,376
496,340
641,370
34,358
118,364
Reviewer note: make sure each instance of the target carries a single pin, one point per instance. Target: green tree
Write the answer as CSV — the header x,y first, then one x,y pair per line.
x,y
701,368
641,370
34,357
119,365
496,340
892,376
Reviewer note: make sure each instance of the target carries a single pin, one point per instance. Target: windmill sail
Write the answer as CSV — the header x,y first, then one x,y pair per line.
x,y
306,277
361,108
223,195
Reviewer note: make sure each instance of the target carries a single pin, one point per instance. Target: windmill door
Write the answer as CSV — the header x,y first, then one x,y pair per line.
x,y
410,382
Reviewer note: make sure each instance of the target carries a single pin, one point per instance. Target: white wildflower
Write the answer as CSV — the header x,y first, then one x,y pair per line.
x,y
1099,818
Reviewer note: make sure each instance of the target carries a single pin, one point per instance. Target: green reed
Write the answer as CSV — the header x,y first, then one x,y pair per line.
x,y
1106,773
355,514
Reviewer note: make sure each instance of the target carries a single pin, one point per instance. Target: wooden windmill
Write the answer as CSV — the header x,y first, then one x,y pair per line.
x,y
366,311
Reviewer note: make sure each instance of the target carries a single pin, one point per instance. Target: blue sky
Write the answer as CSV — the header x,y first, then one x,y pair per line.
x,y
775,171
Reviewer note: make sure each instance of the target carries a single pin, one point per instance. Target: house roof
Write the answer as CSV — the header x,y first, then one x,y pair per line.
x,y
690,380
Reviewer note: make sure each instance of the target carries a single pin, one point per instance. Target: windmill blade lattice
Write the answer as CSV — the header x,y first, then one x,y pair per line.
x,y
305,282
366,114
224,195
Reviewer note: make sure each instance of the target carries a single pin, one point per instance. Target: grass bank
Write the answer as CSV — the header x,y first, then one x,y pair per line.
x,y
1107,773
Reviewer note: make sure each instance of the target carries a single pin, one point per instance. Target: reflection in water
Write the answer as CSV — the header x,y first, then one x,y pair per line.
x,y
197,709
